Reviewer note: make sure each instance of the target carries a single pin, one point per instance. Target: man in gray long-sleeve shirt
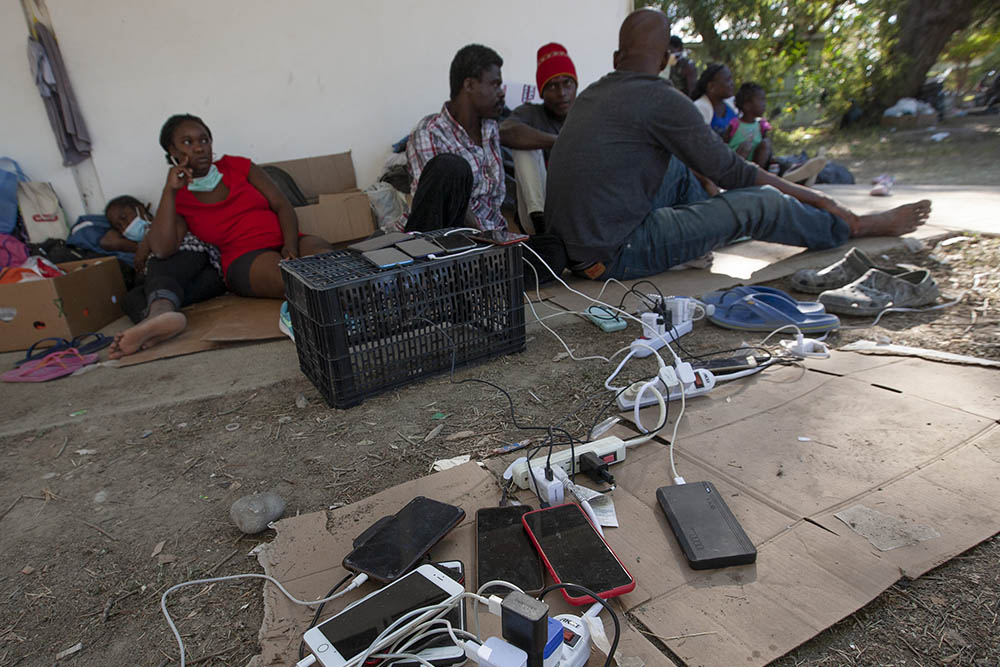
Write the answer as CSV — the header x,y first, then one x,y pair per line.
x,y
622,200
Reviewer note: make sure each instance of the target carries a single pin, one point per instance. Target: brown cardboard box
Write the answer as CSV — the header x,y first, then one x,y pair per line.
x,y
88,297
341,212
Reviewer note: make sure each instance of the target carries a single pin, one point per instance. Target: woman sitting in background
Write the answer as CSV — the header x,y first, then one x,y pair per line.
x,y
231,204
711,96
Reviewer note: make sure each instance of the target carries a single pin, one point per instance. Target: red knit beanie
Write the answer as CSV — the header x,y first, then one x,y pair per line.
x,y
553,61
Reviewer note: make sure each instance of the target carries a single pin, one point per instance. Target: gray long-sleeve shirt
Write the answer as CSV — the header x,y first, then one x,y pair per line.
x,y
611,157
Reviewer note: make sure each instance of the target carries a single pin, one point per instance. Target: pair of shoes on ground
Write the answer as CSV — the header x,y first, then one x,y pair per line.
x,y
882,185
856,285
49,367
806,173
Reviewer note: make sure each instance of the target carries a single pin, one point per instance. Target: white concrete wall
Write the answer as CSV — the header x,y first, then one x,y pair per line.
x,y
274,80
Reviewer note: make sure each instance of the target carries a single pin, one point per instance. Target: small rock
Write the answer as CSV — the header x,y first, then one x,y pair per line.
x,y
101,496
284,420
163,559
301,401
251,514
27,569
460,435
182,425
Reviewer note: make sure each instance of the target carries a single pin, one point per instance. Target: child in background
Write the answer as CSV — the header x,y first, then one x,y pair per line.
x,y
749,135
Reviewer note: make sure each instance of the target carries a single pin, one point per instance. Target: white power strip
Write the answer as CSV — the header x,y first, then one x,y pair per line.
x,y
609,449
652,339
696,382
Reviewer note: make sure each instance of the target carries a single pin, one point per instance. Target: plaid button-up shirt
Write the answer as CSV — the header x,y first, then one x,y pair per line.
x,y
440,133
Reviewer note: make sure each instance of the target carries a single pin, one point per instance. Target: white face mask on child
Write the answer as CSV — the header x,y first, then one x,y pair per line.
x,y
136,229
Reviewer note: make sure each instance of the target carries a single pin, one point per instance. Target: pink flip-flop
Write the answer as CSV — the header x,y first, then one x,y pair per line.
x,y
50,367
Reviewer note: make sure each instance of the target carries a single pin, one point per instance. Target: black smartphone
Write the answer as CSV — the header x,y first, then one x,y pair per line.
x,y
500,237
386,258
727,364
574,552
504,551
455,242
419,248
399,541
378,242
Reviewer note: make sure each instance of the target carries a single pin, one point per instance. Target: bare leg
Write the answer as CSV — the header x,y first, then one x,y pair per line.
x,y
895,222
162,323
265,274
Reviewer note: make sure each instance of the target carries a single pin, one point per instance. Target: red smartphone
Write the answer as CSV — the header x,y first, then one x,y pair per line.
x,y
575,553
499,237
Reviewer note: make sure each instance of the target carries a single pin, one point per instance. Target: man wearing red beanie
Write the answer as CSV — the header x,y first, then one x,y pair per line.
x,y
530,132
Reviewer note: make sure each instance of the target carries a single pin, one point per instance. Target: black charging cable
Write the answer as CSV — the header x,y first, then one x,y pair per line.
x,y
604,603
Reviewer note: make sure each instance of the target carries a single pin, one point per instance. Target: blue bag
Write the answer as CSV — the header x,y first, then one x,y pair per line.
x,y
8,195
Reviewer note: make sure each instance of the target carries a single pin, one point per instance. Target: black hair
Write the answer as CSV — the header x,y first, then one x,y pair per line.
x,y
123,200
746,93
470,62
706,78
676,41
167,131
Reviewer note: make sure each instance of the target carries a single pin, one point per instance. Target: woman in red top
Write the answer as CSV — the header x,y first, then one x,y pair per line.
x,y
231,204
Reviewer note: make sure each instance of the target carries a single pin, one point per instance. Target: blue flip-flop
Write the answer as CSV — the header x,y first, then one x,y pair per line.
x,y
58,345
765,312
725,297
99,343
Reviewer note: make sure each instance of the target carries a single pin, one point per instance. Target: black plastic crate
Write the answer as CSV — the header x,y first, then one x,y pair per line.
x,y
361,331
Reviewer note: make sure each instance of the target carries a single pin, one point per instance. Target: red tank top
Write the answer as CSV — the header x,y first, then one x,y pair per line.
x,y
240,223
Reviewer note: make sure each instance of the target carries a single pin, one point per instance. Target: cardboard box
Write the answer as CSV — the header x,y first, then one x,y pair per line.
x,y
338,210
85,299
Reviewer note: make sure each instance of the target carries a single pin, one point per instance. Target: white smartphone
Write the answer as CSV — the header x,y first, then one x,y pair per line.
x,y
340,638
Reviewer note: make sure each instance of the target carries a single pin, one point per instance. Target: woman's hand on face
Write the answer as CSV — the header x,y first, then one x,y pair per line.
x,y
289,252
179,176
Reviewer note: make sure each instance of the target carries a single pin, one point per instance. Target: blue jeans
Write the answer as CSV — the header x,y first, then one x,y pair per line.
x,y
686,224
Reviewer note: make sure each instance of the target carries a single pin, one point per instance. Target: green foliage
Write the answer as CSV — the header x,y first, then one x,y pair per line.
x,y
805,53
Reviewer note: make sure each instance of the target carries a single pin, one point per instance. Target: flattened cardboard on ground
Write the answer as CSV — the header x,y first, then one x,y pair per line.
x,y
213,323
958,496
84,300
338,211
307,552
804,581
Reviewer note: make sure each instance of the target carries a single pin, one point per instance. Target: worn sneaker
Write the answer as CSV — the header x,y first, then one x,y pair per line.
x,y
877,290
842,272
285,321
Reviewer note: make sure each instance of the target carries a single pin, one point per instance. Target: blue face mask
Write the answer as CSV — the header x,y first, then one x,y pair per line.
x,y
207,182
136,229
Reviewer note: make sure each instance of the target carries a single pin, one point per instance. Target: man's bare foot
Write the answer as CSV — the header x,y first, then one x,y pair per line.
x,y
146,334
895,222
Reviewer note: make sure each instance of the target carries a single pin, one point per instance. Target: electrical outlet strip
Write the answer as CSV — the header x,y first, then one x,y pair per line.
x,y
609,449
640,346
696,382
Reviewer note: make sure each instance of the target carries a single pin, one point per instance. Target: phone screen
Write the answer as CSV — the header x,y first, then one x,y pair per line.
x,y
455,242
418,248
354,629
500,236
504,551
575,552
404,538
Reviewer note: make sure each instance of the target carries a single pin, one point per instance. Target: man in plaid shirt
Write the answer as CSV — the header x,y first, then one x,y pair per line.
x,y
454,155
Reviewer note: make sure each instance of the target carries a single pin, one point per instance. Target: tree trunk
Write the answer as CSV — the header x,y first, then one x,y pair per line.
x,y
924,29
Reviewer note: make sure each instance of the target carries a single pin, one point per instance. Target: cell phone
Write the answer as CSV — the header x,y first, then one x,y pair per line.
x,y
418,248
574,552
504,551
386,258
499,237
348,634
726,365
455,242
379,242
399,541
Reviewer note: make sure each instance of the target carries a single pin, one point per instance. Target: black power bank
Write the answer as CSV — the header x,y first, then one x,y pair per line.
x,y
706,529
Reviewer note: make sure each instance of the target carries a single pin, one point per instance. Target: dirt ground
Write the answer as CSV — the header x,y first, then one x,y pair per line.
x,y
99,517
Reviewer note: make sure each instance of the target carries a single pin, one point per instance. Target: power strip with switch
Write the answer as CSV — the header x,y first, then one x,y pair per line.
x,y
609,449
